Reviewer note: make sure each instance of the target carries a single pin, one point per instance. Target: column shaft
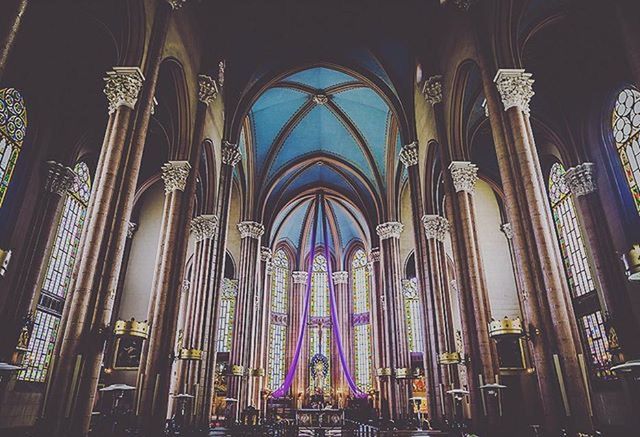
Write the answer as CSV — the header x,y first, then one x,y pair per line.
x,y
8,39
299,287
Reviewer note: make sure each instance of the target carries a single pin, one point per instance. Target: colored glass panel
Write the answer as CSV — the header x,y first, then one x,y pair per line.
x,y
597,344
13,126
361,332
626,132
320,329
227,313
278,325
413,315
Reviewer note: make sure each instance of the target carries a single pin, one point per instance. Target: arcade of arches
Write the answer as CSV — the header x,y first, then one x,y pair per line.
x,y
272,217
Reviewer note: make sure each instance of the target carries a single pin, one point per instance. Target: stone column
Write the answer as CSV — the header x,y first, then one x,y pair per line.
x,y
299,288
250,233
378,341
8,38
625,11
343,300
409,157
394,325
515,90
230,157
436,229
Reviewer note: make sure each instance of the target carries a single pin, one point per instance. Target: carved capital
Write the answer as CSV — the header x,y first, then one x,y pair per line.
x,y
250,229
131,229
435,226
389,230
174,175
432,89
341,277
507,230
207,89
265,254
581,179
122,86
515,88
204,226
464,175
465,5
409,154
299,277
230,154
374,255
60,178
176,4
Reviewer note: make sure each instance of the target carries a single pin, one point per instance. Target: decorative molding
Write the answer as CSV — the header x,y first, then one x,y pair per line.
x,y
581,179
299,277
432,89
186,285
515,88
410,289
229,288
360,319
176,4
374,255
207,89
60,178
230,154
265,254
485,106
174,175
464,175
409,154
465,5
222,65
341,277
389,230
204,226
249,229
122,87
131,229
435,226
507,230
320,99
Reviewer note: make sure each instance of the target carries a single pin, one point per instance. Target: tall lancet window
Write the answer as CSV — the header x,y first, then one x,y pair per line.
x,y
361,320
279,322
320,327
626,132
55,284
413,315
578,271
13,125
228,295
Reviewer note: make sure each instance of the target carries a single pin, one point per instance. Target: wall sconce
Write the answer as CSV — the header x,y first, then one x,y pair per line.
x,y
631,261
5,257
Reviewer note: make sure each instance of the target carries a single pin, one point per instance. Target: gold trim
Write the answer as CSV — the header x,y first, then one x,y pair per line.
x,y
383,371
191,354
402,372
237,370
449,358
132,327
257,372
505,327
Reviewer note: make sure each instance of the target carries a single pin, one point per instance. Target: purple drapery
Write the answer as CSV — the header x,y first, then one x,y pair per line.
x,y
334,312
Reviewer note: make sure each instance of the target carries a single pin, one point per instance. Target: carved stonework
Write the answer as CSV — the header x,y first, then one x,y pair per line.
x,y
581,179
340,277
374,255
464,175
207,89
222,65
320,99
122,86
131,229
265,254
485,106
299,277
204,226
465,5
389,230
409,154
230,154
515,88
507,230
435,226
60,178
432,89
176,4
186,285
454,285
229,288
174,175
410,289
250,229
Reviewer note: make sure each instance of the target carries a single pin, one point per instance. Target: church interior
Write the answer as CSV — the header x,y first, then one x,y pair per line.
x,y
324,218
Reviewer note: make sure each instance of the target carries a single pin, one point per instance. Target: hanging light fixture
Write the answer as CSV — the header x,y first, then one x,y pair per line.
x,y
631,261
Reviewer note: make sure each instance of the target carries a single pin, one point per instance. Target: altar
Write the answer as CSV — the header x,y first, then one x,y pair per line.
x,y
319,418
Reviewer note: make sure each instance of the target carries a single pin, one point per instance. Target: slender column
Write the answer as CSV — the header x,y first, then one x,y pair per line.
x,y
436,229
250,233
515,89
409,157
230,157
627,26
8,38
299,283
377,341
25,293
395,327
341,287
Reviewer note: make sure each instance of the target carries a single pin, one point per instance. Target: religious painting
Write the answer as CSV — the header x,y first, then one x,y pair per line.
x,y
127,354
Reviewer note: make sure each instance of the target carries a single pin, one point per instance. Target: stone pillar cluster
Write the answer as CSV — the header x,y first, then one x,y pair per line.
x,y
296,309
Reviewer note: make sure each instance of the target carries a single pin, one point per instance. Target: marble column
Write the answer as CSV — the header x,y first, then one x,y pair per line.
x,y
409,157
298,289
343,301
250,234
436,229
9,36
394,323
378,341
515,90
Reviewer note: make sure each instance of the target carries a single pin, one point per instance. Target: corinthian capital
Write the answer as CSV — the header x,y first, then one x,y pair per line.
x,y
230,154
409,154
515,88
432,89
340,277
299,277
176,4
464,175
174,175
122,86
250,229
435,226
581,179
60,178
207,89
204,226
389,230
374,255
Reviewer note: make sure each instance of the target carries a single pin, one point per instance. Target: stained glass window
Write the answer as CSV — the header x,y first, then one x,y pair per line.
x,y
413,315
228,294
13,126
55,285
320,325
626,132
279,319
361,320
597,344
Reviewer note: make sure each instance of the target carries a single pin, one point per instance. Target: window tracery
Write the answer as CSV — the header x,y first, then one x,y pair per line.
x,y
361,320
413,315
228,296
13,125
320,329
626,132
